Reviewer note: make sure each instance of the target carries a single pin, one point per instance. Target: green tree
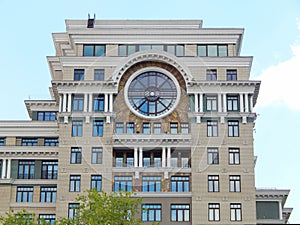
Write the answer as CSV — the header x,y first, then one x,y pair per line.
x,y
21,218
118,208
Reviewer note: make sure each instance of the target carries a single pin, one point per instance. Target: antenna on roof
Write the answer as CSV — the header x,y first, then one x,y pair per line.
x,y
91,22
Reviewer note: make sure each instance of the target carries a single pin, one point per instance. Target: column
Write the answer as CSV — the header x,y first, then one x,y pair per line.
x,y
64,109
135,157
141,157
196,103
60,109
251,103
69,102
85,103
3,174
241,102
201,102
169,157
8,168
246,103
90,102
111,102
163,156
224,103
106,103
219,103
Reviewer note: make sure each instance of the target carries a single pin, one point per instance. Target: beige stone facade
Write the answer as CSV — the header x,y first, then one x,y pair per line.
x,y
114,123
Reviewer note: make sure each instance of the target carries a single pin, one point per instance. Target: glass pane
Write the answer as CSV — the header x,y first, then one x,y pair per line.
x,y
212,50
223,50
122,50
202,50
131,49
179,50
99,50
88,50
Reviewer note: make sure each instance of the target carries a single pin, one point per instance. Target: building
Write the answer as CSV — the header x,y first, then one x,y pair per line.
x,y
163,108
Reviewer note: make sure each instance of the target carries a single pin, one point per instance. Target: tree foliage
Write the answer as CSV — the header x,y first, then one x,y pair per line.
x,y
21,218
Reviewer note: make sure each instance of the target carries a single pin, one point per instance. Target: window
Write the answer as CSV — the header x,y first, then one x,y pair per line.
x,y
49,169
213,211
98,128
174,128
119,128
122,183
212,50
77,128
236,212
130,128
73,210
184,128
157,128
151,184
211,74
74,183
146,128
233,128
48,218
97,155
96,182
51,142
235,183
180,184
232,103
231,74
75,155
78,103
48,194
180,212
46,116
2,141
125,50
211,103
24,194
98,103
29,142
212,128
26,169
93,50
213,183
177,50
99,74
151,212
212,156
78,74
234,156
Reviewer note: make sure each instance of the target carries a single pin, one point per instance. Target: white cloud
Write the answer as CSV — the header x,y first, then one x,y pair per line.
x,y
280,84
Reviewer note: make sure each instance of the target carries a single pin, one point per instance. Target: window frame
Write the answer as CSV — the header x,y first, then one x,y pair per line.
x,y
180,209
212,128
146,128
94,50
233,128
51,142
48,194
130,128
49,170
213,211
212,156
235,212
98,126
232,103
151,184
76,155
151,209
180,184
96,182
123,181
73,210
234,157
24,194
79,74
211,103
97,155
98,103
213,183
29,141
211,75
77,128
235,183
231,74
119,126
99,74
48,218
46,116
74,183
26,165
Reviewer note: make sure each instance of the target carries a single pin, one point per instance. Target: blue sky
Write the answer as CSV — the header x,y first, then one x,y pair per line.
x,y
272,36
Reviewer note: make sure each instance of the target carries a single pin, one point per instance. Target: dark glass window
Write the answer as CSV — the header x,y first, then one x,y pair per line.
x,y
29,142
213,212
212,50
98,128
234,156
78,101
213,183
151,212
99,74
180,212
75,155
2,141
24,194
78,74
211,103
211,74
235,183
26,169
49,169
119,128
77,128
51,142
151,184
96,182
232,103
48,194
98,102
97,154
74,183
130,128
212,156
180,184
94,50
231,74
212,128
233,128
46,116
122,183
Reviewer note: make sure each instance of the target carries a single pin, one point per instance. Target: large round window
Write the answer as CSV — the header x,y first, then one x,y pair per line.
x,y
152,93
